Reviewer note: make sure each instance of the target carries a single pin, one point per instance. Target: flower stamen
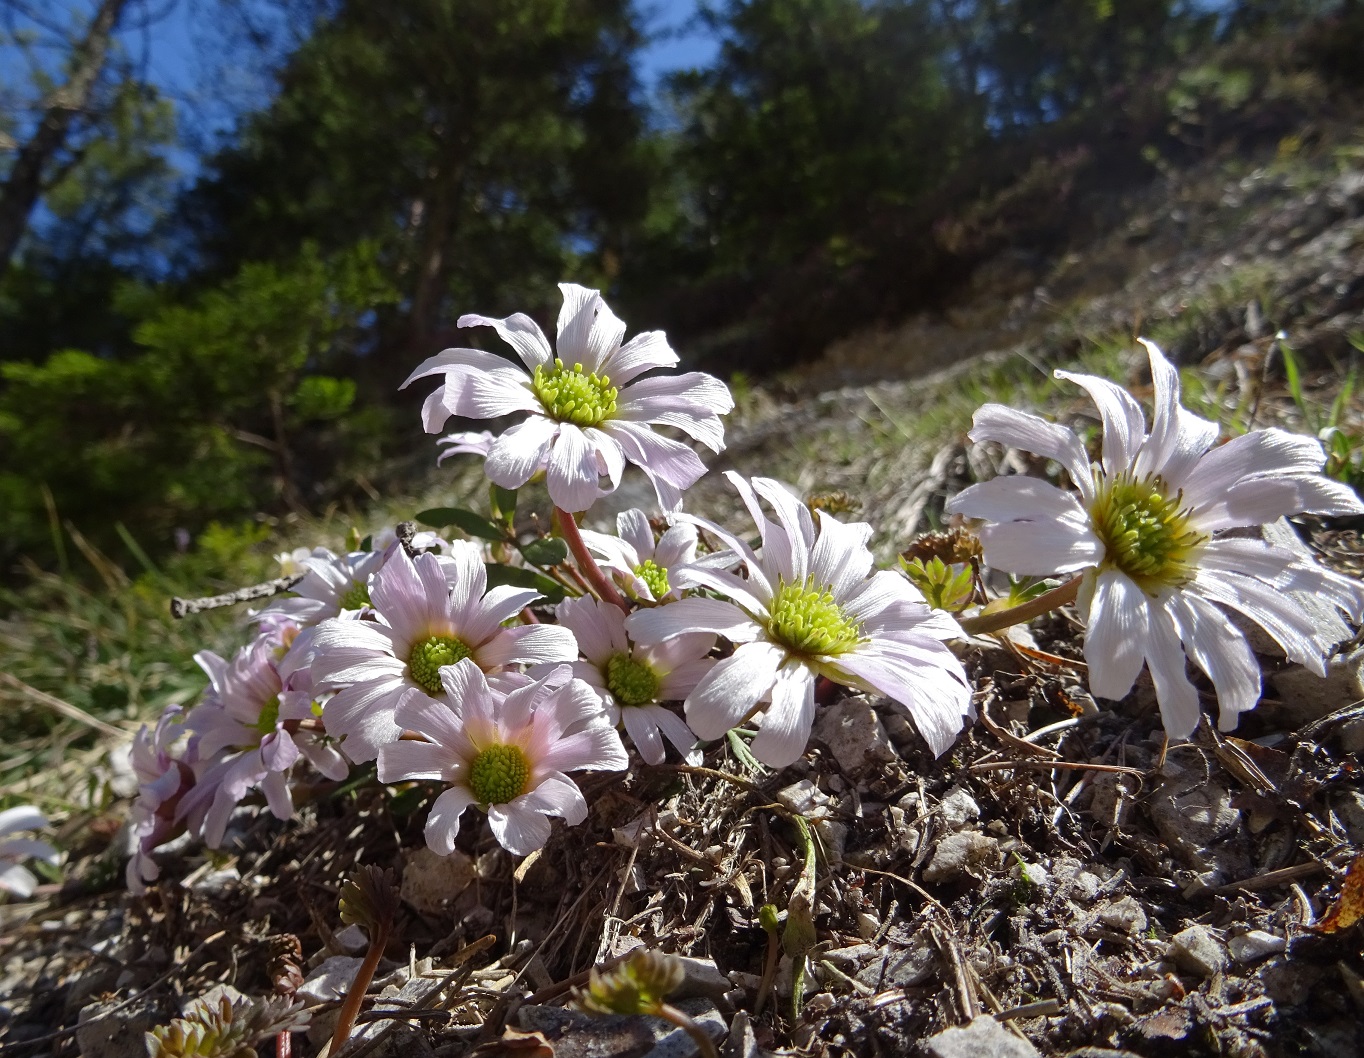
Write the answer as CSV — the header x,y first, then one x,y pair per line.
x,y
431,655
572,395
356,597
805,618
631,682
655,576
499,774
1146,534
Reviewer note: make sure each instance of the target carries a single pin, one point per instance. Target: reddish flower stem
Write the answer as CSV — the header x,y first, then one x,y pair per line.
x,y
1001,619
587,566
350,1009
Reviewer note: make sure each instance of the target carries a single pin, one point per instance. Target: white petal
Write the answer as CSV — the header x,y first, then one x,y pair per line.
x,y
1178,699
1012,499
929,683
24,817
1041,548
520,332
786,722
518,829
1116,639
1220,650
643,352
1019,429
572,471
558,795
746,593
695,614
1178,438
520,452
1270,451
840,557
1124,426
527,645
465,578
735,685
598,627
442,825
596,747
644,733
499,604
1273,610
362,715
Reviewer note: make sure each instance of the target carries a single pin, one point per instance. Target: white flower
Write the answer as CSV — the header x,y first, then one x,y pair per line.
x,y
810,606
589,412
163,778
430,612
1147,531
331,584
14,877
505,753
633,680
645,568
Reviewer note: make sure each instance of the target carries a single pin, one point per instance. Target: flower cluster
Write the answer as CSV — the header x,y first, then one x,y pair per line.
x,y
490,671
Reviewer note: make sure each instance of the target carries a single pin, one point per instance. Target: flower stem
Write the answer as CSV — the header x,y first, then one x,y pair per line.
x,y
704,1044
1044,603
350,1009
587,566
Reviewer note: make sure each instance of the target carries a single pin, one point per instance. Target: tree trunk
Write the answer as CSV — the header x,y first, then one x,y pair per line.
x,y
24,184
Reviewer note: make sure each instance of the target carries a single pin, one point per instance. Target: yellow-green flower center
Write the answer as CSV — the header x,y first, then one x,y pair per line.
x,y
499,774
631,682
572,395
429,656
356,597
805,618
269,716
655,576
1145,533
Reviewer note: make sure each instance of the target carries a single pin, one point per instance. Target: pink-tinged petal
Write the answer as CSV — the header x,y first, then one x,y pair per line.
x,y
598,627
1041,548
361,715
734,543
527,645
1124,425
442,825
676,731
840,557
571,473
634,530
277,796
487,395
1032,433
1254,501
1252,557
929,683
18,880
786,722
881,590
464,579
215,668
735,685
327,759
668,655
28,848
708,429
1273,610
695,614
499,604
693,392
434,412
573,705
676,546
608,455
1270,451
521,451
1178,698
442,721
410,759
665,458
466,442
596,747
519,829
643,731
1116,638
644,352
1220,650
557,795
794,517
401,595
679,683
1011,499
1341,591
1178,438
278,751
520,332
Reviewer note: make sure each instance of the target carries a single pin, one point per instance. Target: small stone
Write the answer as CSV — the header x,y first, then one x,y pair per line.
x,y
868,925
1124,915
967,852
957,808
983,1037
217,881
120,1034
808,800
352,939
331,980
1191,819
1306,697
1255,945
855,736
1349,809
430,881
904,968
702,978
1197,951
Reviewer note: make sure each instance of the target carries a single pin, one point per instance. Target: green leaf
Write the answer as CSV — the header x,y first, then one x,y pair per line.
x,y
546,551
499,574
471,523
1294,376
